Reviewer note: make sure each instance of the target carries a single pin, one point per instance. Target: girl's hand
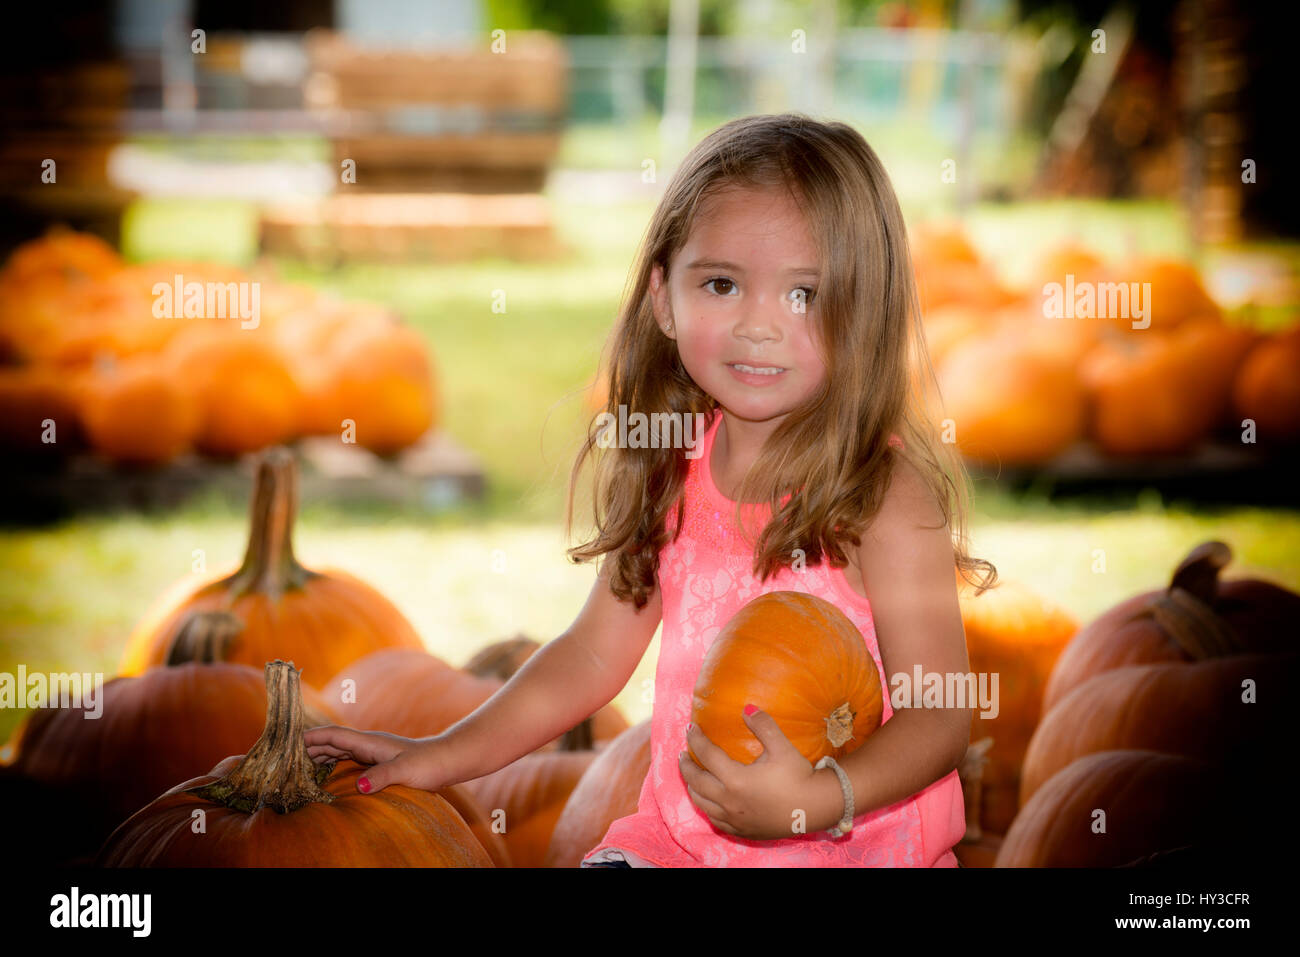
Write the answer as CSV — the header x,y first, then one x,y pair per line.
x,y
755,801
394,759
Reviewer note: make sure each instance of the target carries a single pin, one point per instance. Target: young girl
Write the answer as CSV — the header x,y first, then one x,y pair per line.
x,y
774,303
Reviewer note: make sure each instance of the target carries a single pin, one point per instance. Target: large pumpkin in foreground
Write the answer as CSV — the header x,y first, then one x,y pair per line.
x,y
274,807
323,620
801,660
164,726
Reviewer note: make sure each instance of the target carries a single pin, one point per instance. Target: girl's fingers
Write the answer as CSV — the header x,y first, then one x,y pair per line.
x,y
364,747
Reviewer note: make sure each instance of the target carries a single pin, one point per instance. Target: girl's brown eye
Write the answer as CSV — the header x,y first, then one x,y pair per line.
x,y
727,281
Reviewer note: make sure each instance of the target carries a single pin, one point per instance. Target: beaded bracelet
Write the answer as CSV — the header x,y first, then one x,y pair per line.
x,y
846,822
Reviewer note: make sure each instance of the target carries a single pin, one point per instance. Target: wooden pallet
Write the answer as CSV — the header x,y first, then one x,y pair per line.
x,y
1216,471
439,227
434,474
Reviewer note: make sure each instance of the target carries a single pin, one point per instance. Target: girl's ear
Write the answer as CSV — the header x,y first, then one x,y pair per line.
x,y
659,297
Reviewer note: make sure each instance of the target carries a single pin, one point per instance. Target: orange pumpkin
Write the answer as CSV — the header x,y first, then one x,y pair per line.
x,y
246,396
323,619
975,285
406,691
386,384
59,256
1196,617
1197,710
1011,400
942,242
529,795
1151,801
503,658
164,726
801,660
1171,290
608,790
136,412
948,326
274,807
1267,388
1070,259
1017,635
459,797
1160,394
306,340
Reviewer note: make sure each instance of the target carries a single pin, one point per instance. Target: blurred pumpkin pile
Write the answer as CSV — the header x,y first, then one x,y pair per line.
x,y
1021,385
1145,736
88,345
204,675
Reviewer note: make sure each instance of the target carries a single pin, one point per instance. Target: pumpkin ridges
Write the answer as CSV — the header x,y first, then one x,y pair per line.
x,y
608,789
1144,794
1190,709
532,791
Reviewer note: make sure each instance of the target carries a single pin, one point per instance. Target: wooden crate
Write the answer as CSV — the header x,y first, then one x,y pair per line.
x,y
530,75
461,119
440,227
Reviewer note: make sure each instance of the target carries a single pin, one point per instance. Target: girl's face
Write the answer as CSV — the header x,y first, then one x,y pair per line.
x,y
742,297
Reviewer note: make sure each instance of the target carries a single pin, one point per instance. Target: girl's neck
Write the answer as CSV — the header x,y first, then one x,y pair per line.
x,y
735,448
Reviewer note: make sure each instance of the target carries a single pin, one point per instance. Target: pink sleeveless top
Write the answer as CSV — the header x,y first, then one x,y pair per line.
x,y
705,577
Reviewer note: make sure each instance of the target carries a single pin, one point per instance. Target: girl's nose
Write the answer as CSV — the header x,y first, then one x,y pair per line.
x,y
762,322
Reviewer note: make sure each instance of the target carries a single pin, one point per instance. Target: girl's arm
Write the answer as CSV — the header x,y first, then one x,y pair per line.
x,y
565,681
906,558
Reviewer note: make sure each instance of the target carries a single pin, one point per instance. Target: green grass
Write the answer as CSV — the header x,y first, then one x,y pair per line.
x,y
70,595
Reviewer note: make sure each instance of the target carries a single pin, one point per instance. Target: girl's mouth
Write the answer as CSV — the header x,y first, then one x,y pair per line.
x,y
755,375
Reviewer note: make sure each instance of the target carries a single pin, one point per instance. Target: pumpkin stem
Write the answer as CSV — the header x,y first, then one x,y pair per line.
x,y
1186,610
204,636
269,566
579,738
503,658
839,725
277,771
1198,573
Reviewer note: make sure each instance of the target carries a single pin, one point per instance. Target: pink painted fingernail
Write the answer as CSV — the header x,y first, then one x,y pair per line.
x,y
750,709
364,784
689,725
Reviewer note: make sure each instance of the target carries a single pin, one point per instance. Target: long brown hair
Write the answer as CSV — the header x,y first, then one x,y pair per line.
x,y
834,447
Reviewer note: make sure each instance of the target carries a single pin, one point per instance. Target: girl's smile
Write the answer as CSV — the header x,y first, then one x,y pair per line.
x,y
760,376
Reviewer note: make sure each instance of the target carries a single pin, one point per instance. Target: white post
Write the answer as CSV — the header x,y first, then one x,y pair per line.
x,y
679,91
